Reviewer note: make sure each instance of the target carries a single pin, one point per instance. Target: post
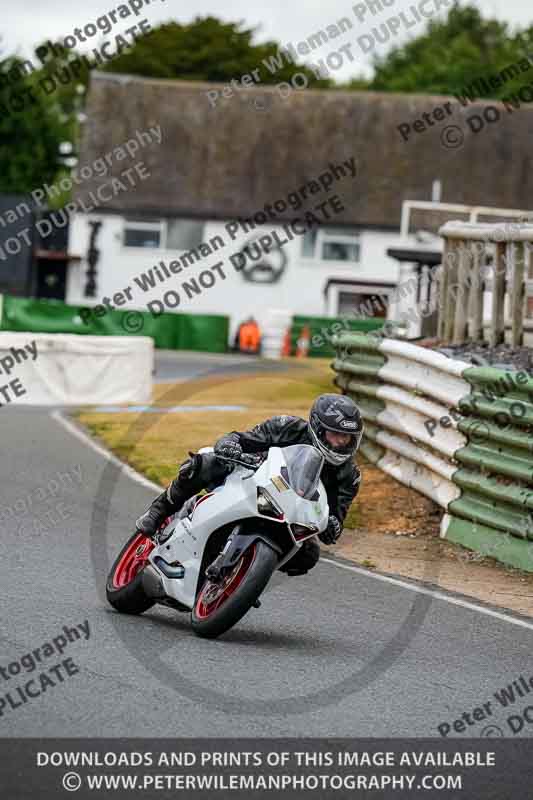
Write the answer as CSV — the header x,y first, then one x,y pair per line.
x,y
442,289
478,286
461,295
497,334
451,269
518,294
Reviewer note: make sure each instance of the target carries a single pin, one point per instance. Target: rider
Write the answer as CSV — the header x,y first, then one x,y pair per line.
x,y
335,428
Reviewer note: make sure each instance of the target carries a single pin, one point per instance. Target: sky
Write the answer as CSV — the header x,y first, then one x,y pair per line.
x,y
29,22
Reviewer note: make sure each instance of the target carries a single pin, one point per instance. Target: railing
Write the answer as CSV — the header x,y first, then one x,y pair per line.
x,y
477,257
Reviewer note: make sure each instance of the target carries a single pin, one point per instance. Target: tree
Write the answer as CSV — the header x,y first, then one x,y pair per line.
x,y
452,54
30,131
40,108
207,49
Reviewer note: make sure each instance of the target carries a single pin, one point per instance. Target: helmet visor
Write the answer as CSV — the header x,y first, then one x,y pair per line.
x,y
343,443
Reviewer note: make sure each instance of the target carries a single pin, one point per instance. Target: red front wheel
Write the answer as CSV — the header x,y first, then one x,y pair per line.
x,y
124,587
219,606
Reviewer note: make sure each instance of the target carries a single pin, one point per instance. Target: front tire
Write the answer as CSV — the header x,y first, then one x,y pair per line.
x,y
219,607
124,587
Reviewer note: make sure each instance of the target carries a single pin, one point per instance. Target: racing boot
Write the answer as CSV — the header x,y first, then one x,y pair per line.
x,y
162,507
182,488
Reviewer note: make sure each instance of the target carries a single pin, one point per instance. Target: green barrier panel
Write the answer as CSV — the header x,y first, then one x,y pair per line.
x,y
512,464
360,342
204,332
513,409
500,381
208,332
367,367
358,388
500,394
477,430
494,489
496,514
490,542
326,328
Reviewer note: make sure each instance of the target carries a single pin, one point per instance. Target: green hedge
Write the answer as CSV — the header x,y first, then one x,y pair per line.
x,y
206,332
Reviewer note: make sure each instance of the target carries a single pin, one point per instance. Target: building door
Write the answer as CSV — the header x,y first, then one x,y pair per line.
x,y
51,278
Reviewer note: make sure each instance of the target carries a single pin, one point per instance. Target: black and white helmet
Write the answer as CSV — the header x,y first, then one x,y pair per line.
x,y
338,413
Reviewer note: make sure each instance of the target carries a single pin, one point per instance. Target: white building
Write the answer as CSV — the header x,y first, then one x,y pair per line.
x,y
199,177
325,272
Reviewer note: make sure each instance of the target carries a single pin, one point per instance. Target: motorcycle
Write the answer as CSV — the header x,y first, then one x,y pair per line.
x,y
215,556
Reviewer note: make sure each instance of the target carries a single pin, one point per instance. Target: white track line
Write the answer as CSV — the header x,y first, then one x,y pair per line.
x,y
135,476
456,601
87,440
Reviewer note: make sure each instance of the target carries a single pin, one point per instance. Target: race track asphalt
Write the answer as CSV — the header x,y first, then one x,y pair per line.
x,y
332,653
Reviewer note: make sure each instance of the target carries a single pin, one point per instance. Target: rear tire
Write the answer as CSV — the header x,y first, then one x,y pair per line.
x,y
124,587
242,589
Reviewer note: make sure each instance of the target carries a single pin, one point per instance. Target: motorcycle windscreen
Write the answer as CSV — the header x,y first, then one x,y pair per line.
x,y
304,465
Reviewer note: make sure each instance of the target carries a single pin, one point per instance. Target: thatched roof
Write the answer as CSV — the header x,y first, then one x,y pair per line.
x,y
254,148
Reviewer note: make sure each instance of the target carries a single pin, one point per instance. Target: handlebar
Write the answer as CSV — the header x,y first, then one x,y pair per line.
x,y
253,467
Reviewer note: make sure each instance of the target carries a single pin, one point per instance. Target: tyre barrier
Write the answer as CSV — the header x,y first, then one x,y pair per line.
x,y
459,434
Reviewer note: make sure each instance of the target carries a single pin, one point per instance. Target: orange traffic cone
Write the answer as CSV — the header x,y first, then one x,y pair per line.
x,y
286,346
304,343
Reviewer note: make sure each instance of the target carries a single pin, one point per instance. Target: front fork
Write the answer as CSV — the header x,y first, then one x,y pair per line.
x,y
237,543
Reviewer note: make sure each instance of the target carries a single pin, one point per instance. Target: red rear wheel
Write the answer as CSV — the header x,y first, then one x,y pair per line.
x,y
124,587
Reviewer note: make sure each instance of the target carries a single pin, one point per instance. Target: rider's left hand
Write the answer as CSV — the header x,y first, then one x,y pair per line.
x,y
253,459
332,532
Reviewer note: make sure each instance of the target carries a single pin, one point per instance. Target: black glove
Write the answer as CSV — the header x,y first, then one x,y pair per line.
x,y
253,459
332,532
228,448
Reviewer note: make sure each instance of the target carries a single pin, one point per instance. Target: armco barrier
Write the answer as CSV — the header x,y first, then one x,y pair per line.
x,y
206,332
459,434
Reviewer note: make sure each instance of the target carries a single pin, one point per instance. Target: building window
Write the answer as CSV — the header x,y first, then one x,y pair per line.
x,y
340,251
163,234
332,244
140,233
184,234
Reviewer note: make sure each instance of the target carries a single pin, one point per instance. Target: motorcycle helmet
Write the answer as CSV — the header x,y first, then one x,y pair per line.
x,y
339,414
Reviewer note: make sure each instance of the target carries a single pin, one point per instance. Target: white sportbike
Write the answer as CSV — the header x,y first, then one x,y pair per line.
x,y
216,555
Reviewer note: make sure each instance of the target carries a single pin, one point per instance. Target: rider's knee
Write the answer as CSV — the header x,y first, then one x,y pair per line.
x,y
191,467
202,469
211,470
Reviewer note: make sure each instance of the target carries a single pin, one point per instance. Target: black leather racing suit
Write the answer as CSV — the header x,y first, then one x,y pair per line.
x,y
205,471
